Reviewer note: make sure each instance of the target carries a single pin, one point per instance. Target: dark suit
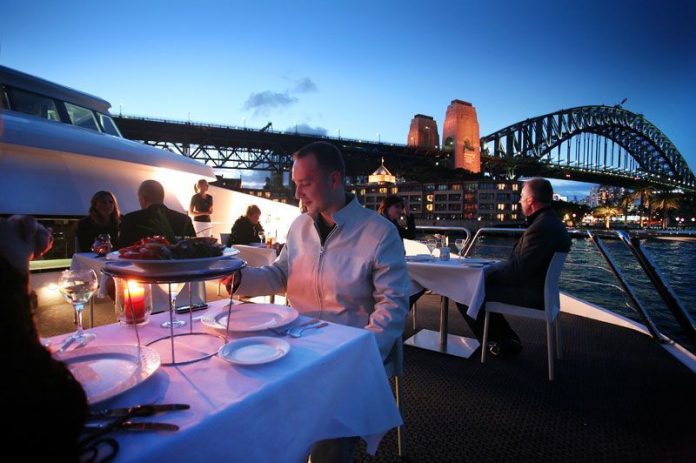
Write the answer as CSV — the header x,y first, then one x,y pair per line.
x,y
520,279
157,219
244,232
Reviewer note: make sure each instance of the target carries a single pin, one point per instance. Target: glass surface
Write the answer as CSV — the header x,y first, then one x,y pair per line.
x,y
102,244
78,286
459,243
431,244
174,289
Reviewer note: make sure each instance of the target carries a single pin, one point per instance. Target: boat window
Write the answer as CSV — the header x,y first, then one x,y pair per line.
x,y
33,104
108,125
82,117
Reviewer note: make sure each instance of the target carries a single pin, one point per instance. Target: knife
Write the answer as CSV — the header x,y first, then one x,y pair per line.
x,y
138,410
133,426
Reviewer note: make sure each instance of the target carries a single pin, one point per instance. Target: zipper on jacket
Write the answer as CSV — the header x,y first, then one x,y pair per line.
x,y
320,267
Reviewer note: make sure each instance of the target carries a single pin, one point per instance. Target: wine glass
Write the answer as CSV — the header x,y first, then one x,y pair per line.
x,y
102,244
78,286
459,243
431,244
174,289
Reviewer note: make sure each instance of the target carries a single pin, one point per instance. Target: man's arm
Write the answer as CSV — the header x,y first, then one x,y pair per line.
x,y
390,280
263,281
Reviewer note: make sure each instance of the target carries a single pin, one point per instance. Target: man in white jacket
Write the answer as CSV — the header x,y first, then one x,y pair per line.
x,y
342,263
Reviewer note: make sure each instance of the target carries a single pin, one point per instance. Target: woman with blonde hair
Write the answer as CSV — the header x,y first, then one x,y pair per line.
x,y
201,208
104,219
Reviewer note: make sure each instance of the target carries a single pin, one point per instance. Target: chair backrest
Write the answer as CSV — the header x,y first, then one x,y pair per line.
x,y
413,247
552,302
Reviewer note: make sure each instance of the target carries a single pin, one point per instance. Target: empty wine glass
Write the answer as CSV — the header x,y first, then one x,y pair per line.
x,y
459,243
78,286
102,244
173,289
431,244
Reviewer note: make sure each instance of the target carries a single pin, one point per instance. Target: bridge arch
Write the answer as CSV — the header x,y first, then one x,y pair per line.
x,y
645,153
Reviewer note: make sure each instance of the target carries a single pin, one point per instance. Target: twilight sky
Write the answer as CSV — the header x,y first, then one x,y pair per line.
x,y
365,68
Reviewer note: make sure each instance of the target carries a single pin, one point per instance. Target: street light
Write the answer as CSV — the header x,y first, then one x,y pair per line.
x,y
244,122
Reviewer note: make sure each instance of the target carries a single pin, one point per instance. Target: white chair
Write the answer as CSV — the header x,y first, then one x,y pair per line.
x,y
552,308
394,366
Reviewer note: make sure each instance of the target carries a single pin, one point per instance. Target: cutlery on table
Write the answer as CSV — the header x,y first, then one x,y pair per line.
x,y
137,410
132,426
286,331
297,331
68,342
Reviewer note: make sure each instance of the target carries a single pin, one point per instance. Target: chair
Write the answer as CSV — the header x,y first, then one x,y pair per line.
x,y
394,366
552,308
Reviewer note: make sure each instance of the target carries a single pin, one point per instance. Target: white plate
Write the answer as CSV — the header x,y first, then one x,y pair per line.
x,y
255,350
173,265
252,317
106,371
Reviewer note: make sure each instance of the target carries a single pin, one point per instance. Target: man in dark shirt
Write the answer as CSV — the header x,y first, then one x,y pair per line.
x,y
520,279
246,229
154,218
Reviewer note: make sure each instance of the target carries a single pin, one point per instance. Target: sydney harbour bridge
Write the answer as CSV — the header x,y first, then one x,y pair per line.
x,y
598,144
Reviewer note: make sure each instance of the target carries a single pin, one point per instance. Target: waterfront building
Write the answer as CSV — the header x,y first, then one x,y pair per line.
x,y
473,203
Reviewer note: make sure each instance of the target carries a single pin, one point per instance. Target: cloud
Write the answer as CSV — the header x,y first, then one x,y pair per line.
x,y
307,130
305,85
264,101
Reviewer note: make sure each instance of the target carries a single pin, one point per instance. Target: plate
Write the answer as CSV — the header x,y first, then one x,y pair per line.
x,y
255,350
419,258
107,371
173,265
221,267
252,317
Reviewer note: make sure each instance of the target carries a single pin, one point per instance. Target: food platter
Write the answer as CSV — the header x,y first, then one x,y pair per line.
x,y
173,265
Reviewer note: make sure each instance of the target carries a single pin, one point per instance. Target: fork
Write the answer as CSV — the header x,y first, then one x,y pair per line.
x,y
296,332
286,331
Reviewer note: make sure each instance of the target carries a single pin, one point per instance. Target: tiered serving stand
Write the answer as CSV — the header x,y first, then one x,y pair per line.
x,y
223,267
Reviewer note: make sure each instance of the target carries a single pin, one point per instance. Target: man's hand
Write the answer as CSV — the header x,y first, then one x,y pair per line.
x,y
22,238
232,282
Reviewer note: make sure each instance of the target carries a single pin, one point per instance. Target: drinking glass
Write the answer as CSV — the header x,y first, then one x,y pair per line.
x,y
431,244
102,244
78,286
174,289
459,243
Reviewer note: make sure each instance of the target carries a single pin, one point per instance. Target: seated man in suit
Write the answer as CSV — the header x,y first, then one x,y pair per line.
x,y
154,218
520,279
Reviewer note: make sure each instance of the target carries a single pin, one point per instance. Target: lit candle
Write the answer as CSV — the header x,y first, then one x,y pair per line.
x,y
134,301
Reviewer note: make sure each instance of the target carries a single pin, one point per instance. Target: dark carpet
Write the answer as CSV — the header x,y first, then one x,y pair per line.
x,y
617,396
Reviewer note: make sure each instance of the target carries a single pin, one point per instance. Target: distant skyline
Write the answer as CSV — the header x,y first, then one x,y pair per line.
x,y
364,69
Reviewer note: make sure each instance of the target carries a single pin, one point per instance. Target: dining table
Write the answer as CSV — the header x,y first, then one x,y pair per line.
x,y
329,383
460,279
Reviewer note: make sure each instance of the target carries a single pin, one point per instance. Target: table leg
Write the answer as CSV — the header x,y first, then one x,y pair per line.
x,y
441,341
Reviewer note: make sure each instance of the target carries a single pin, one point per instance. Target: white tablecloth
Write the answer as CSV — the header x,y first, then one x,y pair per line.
x,y
160,298
256,256
331,384
452,279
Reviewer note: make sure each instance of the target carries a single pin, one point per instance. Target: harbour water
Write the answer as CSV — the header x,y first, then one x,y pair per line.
x,y
587,276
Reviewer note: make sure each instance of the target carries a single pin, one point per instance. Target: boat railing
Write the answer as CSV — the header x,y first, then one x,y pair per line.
x,y
653,273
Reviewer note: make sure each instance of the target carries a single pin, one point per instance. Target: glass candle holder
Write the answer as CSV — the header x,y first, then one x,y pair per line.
x,y
133,302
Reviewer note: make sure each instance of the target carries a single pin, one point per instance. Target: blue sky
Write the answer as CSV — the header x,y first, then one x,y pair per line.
x,y
365,68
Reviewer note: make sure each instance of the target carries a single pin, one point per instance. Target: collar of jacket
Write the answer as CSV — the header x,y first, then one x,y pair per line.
x,y
532,218
346,212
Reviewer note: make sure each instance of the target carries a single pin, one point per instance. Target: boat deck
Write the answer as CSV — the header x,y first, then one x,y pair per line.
x,y
617,396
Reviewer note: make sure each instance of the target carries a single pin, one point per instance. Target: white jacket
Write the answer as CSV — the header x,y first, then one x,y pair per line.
x,y
358,278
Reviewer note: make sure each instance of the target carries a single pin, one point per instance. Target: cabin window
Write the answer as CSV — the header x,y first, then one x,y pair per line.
x,y
108,125
82,117
33,104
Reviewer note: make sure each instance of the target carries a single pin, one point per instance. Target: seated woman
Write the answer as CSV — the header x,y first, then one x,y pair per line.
x,y
247,228
104,218
43,404
392,207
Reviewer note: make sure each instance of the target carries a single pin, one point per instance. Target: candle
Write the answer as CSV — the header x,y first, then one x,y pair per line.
x,y
134,302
